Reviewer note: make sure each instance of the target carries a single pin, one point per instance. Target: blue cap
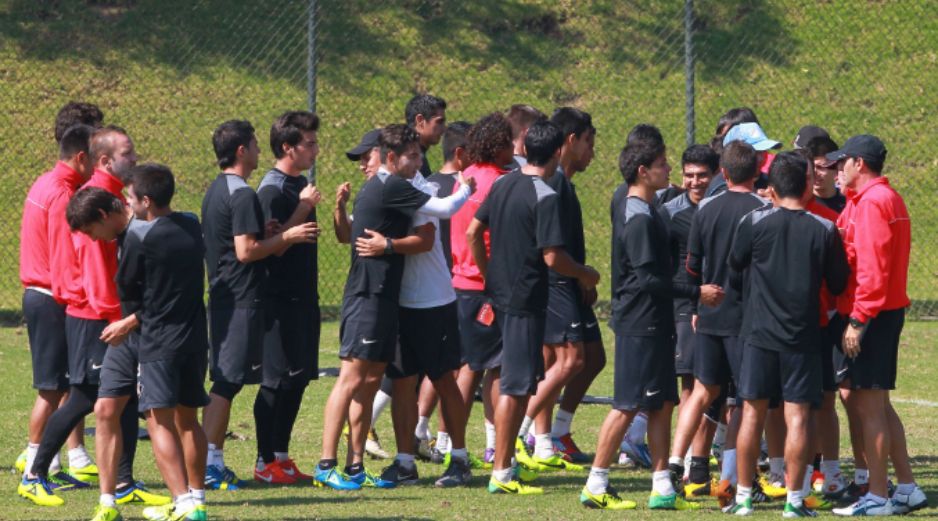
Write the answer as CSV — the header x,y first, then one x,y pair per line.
x,y
752,134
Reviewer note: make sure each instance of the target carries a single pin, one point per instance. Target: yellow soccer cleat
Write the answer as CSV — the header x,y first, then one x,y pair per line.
x,y
556,463
608,500
657,501
103,513
86,474
773,490
20,464
513,487
39,492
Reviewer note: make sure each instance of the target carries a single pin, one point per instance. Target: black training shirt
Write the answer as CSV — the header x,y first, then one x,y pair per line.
x,y
447,184
680,212
523,215
788,254
571,222
836,202
230,208
295,274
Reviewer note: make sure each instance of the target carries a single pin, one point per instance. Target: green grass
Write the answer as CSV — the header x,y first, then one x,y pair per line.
x,y
171,70
919,348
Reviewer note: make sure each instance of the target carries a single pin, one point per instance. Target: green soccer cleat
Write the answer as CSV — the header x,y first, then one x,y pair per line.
x,y
513,487
739,509
525,459
171,513
86,474
608,500
556,463
474,462
20,464
39,492
103,513
799,511
670,502
137,494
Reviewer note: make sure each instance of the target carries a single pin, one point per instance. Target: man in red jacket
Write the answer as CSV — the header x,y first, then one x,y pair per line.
x,y
877,236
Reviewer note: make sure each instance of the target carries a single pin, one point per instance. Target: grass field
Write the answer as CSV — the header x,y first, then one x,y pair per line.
x,y
915,401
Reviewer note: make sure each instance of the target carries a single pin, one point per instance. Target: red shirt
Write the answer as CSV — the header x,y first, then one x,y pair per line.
x,y
466,274
827,300
877,235
98,299
45,238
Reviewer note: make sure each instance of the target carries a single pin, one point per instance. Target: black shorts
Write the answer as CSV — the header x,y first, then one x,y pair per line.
x,y
828,373
45,325
119,374
522,352
716,359
683,348
368,330
644,375
291,344
237,339
790,376
480,344
876,365
180,380
569,319
85,350
428,343
716,406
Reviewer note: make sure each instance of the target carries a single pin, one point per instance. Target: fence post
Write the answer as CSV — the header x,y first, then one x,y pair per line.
x,y
689,70
311,68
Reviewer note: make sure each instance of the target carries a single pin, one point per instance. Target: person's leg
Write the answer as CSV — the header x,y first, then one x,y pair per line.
x,y
352,377
775,432
855,427
748,440
194,444
108,439
876,436
797,447
569,362
80,402
491,392
607,445
452,409
167,449
690,415
265,414
659,436
509,411
404,414
360,424
47,401
898,448
426,402
828,436
594,360
288,408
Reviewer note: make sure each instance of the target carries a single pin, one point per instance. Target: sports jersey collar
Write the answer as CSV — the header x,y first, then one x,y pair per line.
x,y
67,173
858,194
107,181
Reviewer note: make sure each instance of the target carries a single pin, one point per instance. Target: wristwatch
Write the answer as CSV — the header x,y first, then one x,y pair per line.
x,y
855,322
388,246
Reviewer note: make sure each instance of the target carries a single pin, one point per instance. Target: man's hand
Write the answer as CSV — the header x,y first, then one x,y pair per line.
x,y
306,232
116,332
589,278
711,295
310,195
851,342
693,322
272,227
342,194
468,181
372,244
589,295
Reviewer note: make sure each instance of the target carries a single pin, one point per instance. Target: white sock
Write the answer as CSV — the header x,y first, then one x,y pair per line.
x,y
543,448
460,454
443,442
861,476
742,494
776,467
406,460
661,482
830,469
260,465
184,502
54,467
561,426
198,495
423,428
905,488
719,437
220,458
728,471
795,498
676,460
502,476
281,456
31,451
78,457
806,484
210,458
382,399
489,435
525,427
598,480
108,500
638,429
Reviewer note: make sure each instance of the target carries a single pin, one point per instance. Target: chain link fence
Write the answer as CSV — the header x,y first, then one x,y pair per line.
x,y
170,71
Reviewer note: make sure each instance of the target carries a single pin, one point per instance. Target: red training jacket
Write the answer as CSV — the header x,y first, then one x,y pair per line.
x,y
466,274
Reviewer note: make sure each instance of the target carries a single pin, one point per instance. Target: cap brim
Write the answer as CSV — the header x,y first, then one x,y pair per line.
x,y
835,156
767,144
356,153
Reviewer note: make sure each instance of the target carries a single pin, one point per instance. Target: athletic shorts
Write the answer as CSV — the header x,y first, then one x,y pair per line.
x,y
480,344
716,406
522,352
716,359
876,365
180,380
789,376
368,330
644,375
237,340
119,374
85,350
835,333
428,343
291,344
828,372
45,325
569,319
683,348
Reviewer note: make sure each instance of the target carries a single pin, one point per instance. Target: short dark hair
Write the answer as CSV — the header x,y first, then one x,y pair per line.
x,y
154,181
86,206
228,137
288,129
572,121
101,144
521,117
454,137
642,152
487,137
396,138
644,132
734,117
821,146
424,104
788,175
75,139
740,161
701,155
542,142
75,112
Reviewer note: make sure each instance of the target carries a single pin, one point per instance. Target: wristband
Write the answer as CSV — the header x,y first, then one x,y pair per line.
x,y
388,246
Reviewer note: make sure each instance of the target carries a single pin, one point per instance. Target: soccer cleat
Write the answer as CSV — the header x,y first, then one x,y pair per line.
x,y
724,492
218,478
373,446
700,489
273,474
366,479
817,480
399,474
137,494
626,461
758,495
676,475
334,479
20,464
834,487
905,503
797,511
458,474
815,501
86,474
556,463
513,487
488,456
853,493
39,492
866,507
424,448
437,456
171,513
674,501
290,469
608,500
103,513
62,481
523,458
638,452
771,489
567,448
739,509
474,462
159,513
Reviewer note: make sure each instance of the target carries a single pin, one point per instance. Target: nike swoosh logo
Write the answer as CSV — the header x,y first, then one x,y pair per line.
x,y
592,324
294,373
842,371
575,324
268,478
367,341
95,367
651,393
256,367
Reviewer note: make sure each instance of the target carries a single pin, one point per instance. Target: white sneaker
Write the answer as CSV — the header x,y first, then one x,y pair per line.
x,y
905,503
865,507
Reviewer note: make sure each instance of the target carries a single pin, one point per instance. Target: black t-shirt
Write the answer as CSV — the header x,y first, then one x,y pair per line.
x,y
788,253
666,194
523,214
447,183
708,248
641,259
571,221
425,169
718,184
161,269
295,274
230,208
386,203
835,202
680,213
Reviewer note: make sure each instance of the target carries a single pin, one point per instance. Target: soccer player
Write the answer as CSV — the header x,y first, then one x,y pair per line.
x,y
234,230
825,187
787,254
368,155
521,118
385,204
291,341
523,214
426,114
877,235
752,134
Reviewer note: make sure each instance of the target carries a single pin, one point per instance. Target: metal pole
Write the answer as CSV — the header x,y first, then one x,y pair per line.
x,y
689,70
311,68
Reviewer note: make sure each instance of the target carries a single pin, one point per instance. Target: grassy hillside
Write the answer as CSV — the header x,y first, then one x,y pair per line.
x,y
170,71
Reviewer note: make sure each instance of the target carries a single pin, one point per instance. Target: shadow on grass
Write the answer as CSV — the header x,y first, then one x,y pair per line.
x,y
302,497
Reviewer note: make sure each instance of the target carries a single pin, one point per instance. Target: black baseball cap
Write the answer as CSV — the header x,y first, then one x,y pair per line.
x,y
369,141
807,133
866,146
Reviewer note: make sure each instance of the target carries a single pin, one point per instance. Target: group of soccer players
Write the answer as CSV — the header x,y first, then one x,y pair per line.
x,y
764,284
